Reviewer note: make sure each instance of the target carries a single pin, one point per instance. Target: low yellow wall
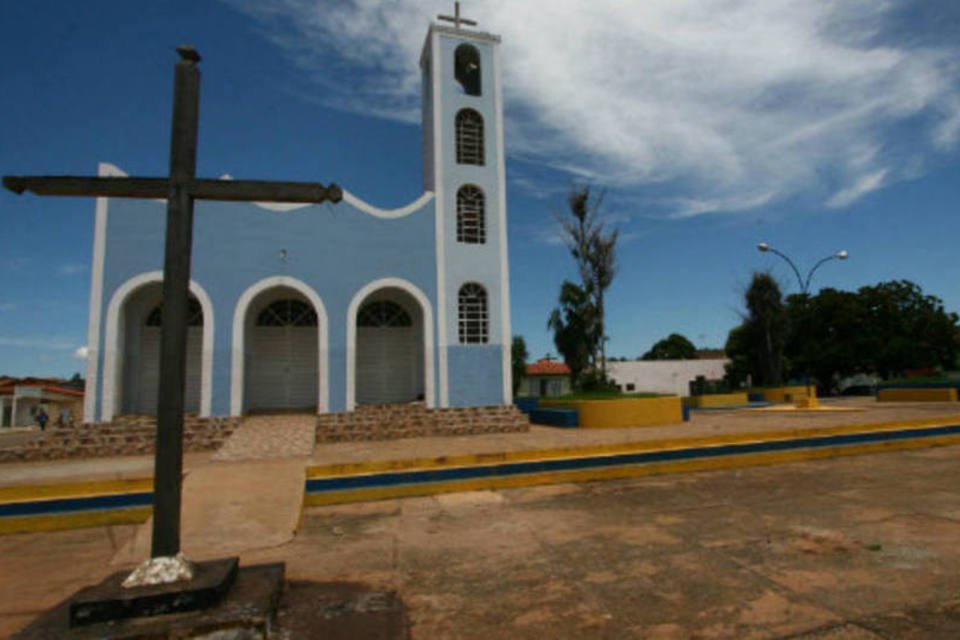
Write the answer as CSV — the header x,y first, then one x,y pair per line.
x,y
795,393
917,395
626,412
717,400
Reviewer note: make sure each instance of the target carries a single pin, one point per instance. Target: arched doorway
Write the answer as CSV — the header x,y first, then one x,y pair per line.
x,y
281,352
142,323
389,348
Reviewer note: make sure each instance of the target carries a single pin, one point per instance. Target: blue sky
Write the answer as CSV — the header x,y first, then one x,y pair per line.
x,y
712,124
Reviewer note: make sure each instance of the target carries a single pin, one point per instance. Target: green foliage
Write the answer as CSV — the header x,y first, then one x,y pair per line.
x,y
884,329
757,348
608,395
594,250
574,329
673,347
596,380
518,361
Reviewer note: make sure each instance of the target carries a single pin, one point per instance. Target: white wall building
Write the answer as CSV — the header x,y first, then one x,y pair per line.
x,y
664,376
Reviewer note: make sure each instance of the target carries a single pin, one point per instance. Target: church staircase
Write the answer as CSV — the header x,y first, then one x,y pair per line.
x,y
126,435
414,420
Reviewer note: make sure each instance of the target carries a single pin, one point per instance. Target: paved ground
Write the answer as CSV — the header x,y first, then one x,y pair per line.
x,y
270,436
848,549
230,507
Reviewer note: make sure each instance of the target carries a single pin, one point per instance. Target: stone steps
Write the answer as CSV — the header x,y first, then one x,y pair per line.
x,y
125,436
391,422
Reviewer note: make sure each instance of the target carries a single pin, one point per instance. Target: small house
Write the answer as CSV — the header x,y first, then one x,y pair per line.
x,y
546,378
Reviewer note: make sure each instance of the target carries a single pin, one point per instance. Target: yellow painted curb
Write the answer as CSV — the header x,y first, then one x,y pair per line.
x,y
620,472
378,466
56,522
28,493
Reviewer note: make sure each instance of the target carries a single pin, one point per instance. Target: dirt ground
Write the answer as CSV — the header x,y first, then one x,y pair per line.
x,y
852,548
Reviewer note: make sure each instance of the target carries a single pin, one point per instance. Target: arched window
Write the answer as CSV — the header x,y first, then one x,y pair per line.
x,y
469,137
471,226
383,313
474,323
288,313
194,314
466,69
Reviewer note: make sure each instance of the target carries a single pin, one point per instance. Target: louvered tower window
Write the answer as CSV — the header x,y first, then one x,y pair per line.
x,y
288,313
466,65
474,323
469,137
471,226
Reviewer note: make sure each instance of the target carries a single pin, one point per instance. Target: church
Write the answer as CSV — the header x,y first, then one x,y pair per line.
x,y
322,308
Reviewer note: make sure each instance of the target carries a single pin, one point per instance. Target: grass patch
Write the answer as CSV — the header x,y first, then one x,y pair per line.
x,y
907,382
607,395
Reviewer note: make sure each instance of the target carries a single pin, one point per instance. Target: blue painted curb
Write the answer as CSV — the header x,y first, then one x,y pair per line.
x,y
73,505
393,478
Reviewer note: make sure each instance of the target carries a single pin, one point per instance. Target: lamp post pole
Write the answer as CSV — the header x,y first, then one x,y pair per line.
x,y
804,284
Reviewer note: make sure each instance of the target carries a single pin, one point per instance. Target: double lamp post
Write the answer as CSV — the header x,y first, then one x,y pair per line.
x,y
804,283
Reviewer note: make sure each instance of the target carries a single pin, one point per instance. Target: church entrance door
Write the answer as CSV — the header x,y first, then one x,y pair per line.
x,y
389,360
143,322
282,357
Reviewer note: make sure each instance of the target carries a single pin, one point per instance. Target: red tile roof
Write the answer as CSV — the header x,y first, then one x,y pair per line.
x,y
53,385
548,368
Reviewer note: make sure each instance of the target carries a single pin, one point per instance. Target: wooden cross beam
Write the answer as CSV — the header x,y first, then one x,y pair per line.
x,y
456,19
179,190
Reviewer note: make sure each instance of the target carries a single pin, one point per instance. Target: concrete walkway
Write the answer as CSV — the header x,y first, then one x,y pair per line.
x,y
232,507
248,496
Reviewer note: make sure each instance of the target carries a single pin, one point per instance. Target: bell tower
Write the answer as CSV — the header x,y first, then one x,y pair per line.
x,y
464,167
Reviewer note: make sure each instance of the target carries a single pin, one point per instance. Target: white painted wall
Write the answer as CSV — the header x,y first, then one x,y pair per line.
x,y
664,376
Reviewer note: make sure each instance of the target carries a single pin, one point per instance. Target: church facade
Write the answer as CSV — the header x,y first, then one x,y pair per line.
x,y
327,307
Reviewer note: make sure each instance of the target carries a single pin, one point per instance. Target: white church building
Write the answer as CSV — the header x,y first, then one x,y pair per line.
x,y
293,308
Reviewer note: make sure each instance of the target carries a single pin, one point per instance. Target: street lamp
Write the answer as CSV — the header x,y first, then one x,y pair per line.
x,y
843,254
763,247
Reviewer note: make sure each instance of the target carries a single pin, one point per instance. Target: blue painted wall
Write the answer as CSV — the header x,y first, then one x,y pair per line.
x,y
338,249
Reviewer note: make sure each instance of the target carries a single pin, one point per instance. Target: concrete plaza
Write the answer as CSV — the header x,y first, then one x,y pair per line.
x,y
850,548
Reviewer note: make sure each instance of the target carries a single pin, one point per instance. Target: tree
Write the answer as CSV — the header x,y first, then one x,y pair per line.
x,y
885,329
760,339
518,361
673,347
594,250
825,337
574,326
740,365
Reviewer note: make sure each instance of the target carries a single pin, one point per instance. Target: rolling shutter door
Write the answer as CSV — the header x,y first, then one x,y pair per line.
x,y
387,368
148,378
283,368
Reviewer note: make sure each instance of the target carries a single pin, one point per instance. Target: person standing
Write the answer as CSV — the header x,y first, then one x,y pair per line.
x,y
42,419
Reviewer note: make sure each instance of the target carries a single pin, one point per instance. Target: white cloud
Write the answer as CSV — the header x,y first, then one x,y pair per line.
x,y
72,268
81,353
860,188
733,104
32,342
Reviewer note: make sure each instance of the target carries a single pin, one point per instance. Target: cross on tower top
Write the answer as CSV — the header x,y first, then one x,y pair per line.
x,y
456,19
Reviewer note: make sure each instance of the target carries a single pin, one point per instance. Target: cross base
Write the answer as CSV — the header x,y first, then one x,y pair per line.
x,y
220,597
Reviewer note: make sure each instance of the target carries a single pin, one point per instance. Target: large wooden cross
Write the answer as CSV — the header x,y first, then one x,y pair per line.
x,y
180,189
